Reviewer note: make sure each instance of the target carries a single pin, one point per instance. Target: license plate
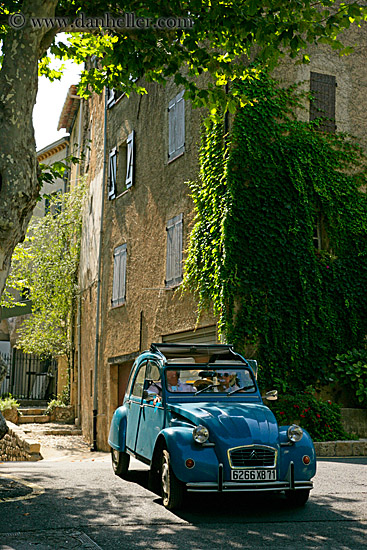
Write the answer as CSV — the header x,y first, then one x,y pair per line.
x,y
253,475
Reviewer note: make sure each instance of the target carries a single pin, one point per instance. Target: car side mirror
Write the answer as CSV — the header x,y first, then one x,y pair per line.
x,y
271,395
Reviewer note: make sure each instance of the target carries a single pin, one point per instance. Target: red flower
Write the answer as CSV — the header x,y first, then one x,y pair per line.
x,y
302,415
318,415
296,406
281,412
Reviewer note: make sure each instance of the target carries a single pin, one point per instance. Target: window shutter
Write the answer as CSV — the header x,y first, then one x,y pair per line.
x,y
130,160
119,275
176,126
180,124
171,128
174,251
110,97
322,87
112,170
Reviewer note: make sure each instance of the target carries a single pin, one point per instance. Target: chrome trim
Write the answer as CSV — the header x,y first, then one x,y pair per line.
x,y
231,486
267,447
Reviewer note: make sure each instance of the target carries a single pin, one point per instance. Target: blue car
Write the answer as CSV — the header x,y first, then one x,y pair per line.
x,y
195,415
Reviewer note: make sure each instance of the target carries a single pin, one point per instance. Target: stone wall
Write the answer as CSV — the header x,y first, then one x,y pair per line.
x,y
16,446
355,421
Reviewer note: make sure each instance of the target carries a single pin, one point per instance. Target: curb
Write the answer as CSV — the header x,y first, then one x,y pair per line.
x,y
341,448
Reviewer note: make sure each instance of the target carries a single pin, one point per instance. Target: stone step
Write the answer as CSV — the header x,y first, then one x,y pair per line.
x,y
31,411
34,419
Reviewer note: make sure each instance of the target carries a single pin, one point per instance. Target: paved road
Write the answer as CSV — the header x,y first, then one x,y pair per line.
x,y
79,503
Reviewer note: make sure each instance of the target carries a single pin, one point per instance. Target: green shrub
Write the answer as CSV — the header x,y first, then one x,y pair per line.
x,y
62,400
351,373
8,403
322,419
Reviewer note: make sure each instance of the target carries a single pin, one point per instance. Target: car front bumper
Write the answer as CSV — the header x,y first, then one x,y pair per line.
x,y
288,484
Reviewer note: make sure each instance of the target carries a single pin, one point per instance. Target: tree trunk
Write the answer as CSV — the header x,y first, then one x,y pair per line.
x,y
19,186
3,426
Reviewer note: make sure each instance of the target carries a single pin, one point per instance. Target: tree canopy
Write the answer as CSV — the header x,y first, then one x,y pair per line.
x,y
224,36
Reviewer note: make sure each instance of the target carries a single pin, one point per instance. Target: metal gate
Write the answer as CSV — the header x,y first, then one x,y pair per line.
x,y
29,376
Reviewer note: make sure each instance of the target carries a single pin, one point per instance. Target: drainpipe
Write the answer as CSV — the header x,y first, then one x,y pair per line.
x,y
79,141
96,346
79,359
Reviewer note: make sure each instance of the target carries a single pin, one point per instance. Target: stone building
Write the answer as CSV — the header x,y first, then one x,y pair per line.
x,y
139,153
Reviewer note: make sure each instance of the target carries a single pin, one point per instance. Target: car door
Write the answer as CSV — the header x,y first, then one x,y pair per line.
x,y
133,405
152,415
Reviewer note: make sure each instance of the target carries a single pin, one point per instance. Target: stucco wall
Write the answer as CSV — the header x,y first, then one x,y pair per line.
x,y
139,215
138,218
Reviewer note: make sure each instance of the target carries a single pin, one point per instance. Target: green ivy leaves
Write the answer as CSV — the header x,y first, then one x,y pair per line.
x,y
252,253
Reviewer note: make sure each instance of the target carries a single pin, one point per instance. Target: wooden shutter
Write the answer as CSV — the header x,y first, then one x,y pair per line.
x,y
130,160
110,97
174,251
180,124
171,129
322,87
112,170
119,275
176,126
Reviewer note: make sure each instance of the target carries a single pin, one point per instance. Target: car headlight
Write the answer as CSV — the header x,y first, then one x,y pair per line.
x,y
200,434
295,433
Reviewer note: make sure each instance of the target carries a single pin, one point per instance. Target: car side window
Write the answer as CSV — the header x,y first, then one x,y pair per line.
x,y
138,385
153,372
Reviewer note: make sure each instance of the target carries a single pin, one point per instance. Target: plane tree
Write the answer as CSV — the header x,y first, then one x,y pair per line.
x,y
223,37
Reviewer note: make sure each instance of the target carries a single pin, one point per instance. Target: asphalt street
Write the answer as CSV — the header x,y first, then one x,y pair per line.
x,y
79,503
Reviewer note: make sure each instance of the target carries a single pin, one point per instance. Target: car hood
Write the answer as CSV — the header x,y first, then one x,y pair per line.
x,y
232,424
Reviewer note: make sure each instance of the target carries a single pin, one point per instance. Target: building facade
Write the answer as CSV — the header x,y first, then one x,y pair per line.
x,y
139,154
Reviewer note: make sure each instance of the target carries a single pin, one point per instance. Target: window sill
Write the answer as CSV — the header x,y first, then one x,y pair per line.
x,y
116,306
175,158
174,286
123,193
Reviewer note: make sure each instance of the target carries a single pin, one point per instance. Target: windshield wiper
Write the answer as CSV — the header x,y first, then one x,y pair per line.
x,y
207,388
241,389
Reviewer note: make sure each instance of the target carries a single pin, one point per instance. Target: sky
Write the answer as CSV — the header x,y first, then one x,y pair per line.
x,y
50,100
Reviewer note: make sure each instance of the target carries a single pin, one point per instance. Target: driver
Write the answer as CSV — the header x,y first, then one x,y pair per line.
x,y
174,384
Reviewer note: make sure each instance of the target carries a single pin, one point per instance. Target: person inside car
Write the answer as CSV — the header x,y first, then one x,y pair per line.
x,y
174,384
227,381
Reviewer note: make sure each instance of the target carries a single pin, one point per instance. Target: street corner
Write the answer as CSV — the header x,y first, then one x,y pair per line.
x,y
13,488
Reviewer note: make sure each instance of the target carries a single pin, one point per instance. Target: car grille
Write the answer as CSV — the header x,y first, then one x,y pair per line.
x,y
252,457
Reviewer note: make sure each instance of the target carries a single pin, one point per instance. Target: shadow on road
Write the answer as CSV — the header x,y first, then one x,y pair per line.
x,y
124,514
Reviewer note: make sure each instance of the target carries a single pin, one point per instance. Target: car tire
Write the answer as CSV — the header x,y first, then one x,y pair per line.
x,y
298,497
171,488
120,462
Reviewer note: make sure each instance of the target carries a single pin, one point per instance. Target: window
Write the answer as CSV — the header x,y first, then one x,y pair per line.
x,y
322,87
176,126
121,168
137,389
112,172
129,175
119,276
112,96
87,146
317,231
174,251
53,203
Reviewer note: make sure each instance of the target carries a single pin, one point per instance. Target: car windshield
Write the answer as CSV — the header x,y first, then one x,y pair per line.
x,y
220,379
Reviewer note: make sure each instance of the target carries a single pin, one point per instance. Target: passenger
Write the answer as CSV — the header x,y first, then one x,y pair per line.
x,y
227,381
174,384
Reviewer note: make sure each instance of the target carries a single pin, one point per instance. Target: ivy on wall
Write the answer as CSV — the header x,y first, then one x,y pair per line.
x,y
252,255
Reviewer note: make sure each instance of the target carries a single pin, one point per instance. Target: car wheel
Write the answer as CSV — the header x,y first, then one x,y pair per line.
x,y
120,462
172,488
298,497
